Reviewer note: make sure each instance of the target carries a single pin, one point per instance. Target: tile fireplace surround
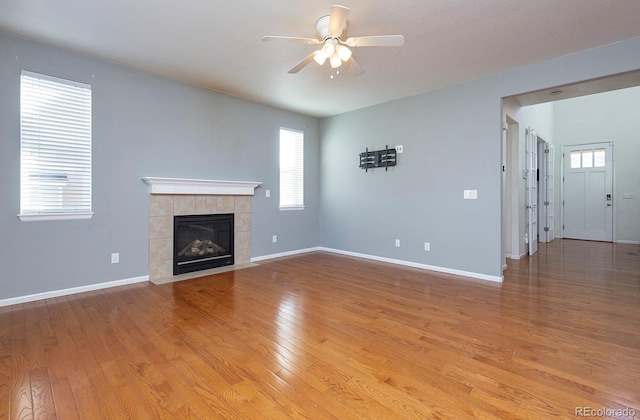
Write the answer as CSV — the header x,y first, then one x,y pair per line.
x,y
180,197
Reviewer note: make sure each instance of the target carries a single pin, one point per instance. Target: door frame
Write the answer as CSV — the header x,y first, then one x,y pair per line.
x,y
532,184
546,185
513,191
613,185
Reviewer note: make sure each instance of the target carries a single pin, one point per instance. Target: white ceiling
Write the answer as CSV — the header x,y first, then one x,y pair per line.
x,y
217,44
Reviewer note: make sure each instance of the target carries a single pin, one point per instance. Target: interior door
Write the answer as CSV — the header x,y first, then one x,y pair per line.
x,y
549,200
531,186
588,192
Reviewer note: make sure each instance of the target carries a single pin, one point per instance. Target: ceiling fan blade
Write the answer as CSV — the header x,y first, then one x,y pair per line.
x,y
295,39
337,20
353,67
376,41
303,63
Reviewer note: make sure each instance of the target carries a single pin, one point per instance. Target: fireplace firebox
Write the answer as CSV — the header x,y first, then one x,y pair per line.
x,y
201,242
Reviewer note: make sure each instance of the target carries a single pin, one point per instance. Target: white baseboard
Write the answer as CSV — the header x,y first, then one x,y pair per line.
x,y
498,279
285,254
71,291
622,241
516,256
140,279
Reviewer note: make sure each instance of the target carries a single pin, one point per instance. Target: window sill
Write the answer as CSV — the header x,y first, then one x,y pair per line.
x,y
65,216
291,208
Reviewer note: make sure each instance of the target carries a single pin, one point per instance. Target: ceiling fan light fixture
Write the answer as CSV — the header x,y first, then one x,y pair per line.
x,y
329,47
343,52
320,57
335,61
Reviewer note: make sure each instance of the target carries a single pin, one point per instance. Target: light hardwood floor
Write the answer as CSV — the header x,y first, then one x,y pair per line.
x,y
326,336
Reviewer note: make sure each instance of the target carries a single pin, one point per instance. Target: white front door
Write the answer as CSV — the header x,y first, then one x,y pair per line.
x,y
531,185
588,192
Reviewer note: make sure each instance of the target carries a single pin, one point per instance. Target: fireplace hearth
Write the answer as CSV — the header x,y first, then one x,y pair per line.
x,y
202,242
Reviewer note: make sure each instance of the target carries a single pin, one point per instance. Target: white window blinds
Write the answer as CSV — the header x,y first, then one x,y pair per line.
x,y
291,169
55,148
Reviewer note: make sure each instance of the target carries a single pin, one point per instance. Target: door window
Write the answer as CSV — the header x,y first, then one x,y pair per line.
x,y
587,158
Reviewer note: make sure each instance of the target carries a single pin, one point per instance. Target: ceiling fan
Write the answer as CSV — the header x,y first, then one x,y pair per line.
x,y
330,30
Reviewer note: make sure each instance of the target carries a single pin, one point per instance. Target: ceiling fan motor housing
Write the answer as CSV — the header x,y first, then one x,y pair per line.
x,y
322,28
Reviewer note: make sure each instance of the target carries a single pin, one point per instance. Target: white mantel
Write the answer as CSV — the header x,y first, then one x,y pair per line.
x,y
200,186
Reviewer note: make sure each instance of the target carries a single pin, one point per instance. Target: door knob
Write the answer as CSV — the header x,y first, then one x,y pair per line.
x,y
608,204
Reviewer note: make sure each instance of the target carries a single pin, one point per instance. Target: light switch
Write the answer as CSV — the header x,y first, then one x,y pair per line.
x,y
470,194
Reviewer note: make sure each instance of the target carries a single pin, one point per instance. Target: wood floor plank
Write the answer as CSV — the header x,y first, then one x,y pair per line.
x,y
41,394
58,359
63,399
5,361
20,400
254,395
320,335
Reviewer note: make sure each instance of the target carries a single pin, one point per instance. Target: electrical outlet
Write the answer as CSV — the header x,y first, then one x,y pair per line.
x,y
399,149
427,246
397,242
115,258
268,193
274,238
627,196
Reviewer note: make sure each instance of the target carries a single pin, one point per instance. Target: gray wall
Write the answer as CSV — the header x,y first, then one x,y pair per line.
x,y
611,116
143,125
540,118
452,141
150,126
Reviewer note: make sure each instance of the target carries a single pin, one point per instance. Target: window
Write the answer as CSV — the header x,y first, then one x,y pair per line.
x,y
291,169
587,158
575,159
55,148
598,157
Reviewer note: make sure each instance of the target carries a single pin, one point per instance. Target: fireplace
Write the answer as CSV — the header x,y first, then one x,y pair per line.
x,y
171,197
201,242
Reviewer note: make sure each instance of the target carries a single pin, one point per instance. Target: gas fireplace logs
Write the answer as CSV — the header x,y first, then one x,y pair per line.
x,y
200,248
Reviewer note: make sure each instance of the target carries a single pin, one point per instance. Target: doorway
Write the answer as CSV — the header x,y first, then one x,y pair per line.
x,y
588,191
513,192
578,116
